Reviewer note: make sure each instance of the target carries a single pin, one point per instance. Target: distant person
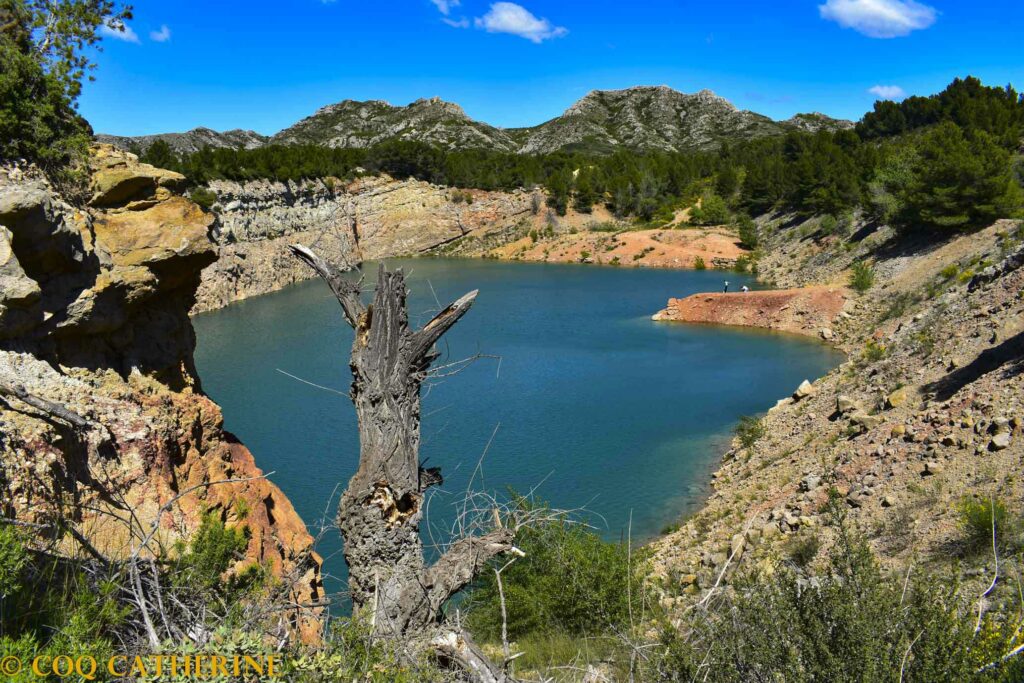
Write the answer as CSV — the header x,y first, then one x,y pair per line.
x,y
726,290
745,289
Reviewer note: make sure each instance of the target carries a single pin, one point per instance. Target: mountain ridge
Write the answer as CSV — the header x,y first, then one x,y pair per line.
x,y
641,118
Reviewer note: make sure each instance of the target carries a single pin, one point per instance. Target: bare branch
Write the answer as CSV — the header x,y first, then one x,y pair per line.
x,y
52,408
424,339
345,291
463,561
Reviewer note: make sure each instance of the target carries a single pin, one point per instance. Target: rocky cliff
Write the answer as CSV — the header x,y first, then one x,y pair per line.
x,y
369,218
102,417
927,411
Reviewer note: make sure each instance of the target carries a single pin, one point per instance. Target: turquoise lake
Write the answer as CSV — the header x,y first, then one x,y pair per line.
x,y
591,402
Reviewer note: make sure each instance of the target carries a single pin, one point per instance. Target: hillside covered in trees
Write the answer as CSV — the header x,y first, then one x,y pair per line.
x,y
951,160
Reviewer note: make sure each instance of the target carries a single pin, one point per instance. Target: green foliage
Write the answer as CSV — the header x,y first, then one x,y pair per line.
x,y
699,264
803,548
873,351
980,520
948,171
45,50
204,197
829,225
214,549
965,102
744,264
750,430
747,229
862,276
571,581
351,653
849,623
13,560
712,211
957,181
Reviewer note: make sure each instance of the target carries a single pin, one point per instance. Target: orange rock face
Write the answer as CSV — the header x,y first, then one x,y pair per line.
x,y
95,318
809,310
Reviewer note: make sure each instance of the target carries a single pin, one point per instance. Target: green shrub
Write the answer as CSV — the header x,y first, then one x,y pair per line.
x,y
712,211
698,263
849,623
958,181
829,224
13,560
862,276
750,430
351,653
571,581
214,548
949,272
747,229
980,519
204,197
803,548
873,351
584,255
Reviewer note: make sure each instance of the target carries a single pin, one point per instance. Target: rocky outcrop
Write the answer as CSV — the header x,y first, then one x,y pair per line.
x,y
808,310
928,411
94,317
364,124
369,218
647,117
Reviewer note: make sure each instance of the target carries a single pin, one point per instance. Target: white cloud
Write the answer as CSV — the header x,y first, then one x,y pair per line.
x,y
460,23
119,31
161,36
508,17
888,92
445,6
879,18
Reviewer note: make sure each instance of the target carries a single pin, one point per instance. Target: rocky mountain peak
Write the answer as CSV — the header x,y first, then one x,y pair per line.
x,y
641,117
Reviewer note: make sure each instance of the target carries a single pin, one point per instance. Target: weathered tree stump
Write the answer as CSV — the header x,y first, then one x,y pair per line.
x,y
380,512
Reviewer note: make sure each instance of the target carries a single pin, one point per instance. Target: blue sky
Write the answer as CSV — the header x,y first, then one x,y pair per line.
x,y
264,65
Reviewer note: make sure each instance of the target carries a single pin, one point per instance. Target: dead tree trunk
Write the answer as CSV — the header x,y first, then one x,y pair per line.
x,y
380,511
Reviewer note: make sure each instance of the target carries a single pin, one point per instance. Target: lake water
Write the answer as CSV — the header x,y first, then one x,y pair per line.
x,y
591,402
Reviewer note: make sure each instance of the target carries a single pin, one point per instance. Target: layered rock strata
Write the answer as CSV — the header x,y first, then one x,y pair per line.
x,y
368,218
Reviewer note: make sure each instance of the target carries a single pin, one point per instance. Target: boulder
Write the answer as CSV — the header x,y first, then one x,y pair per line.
x,y
845,404
805,390
737,545
865,421
810,482
898,398
118,178
19,294
1000,441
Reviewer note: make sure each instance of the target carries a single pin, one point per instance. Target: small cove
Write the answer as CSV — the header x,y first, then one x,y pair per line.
x,y
581,395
